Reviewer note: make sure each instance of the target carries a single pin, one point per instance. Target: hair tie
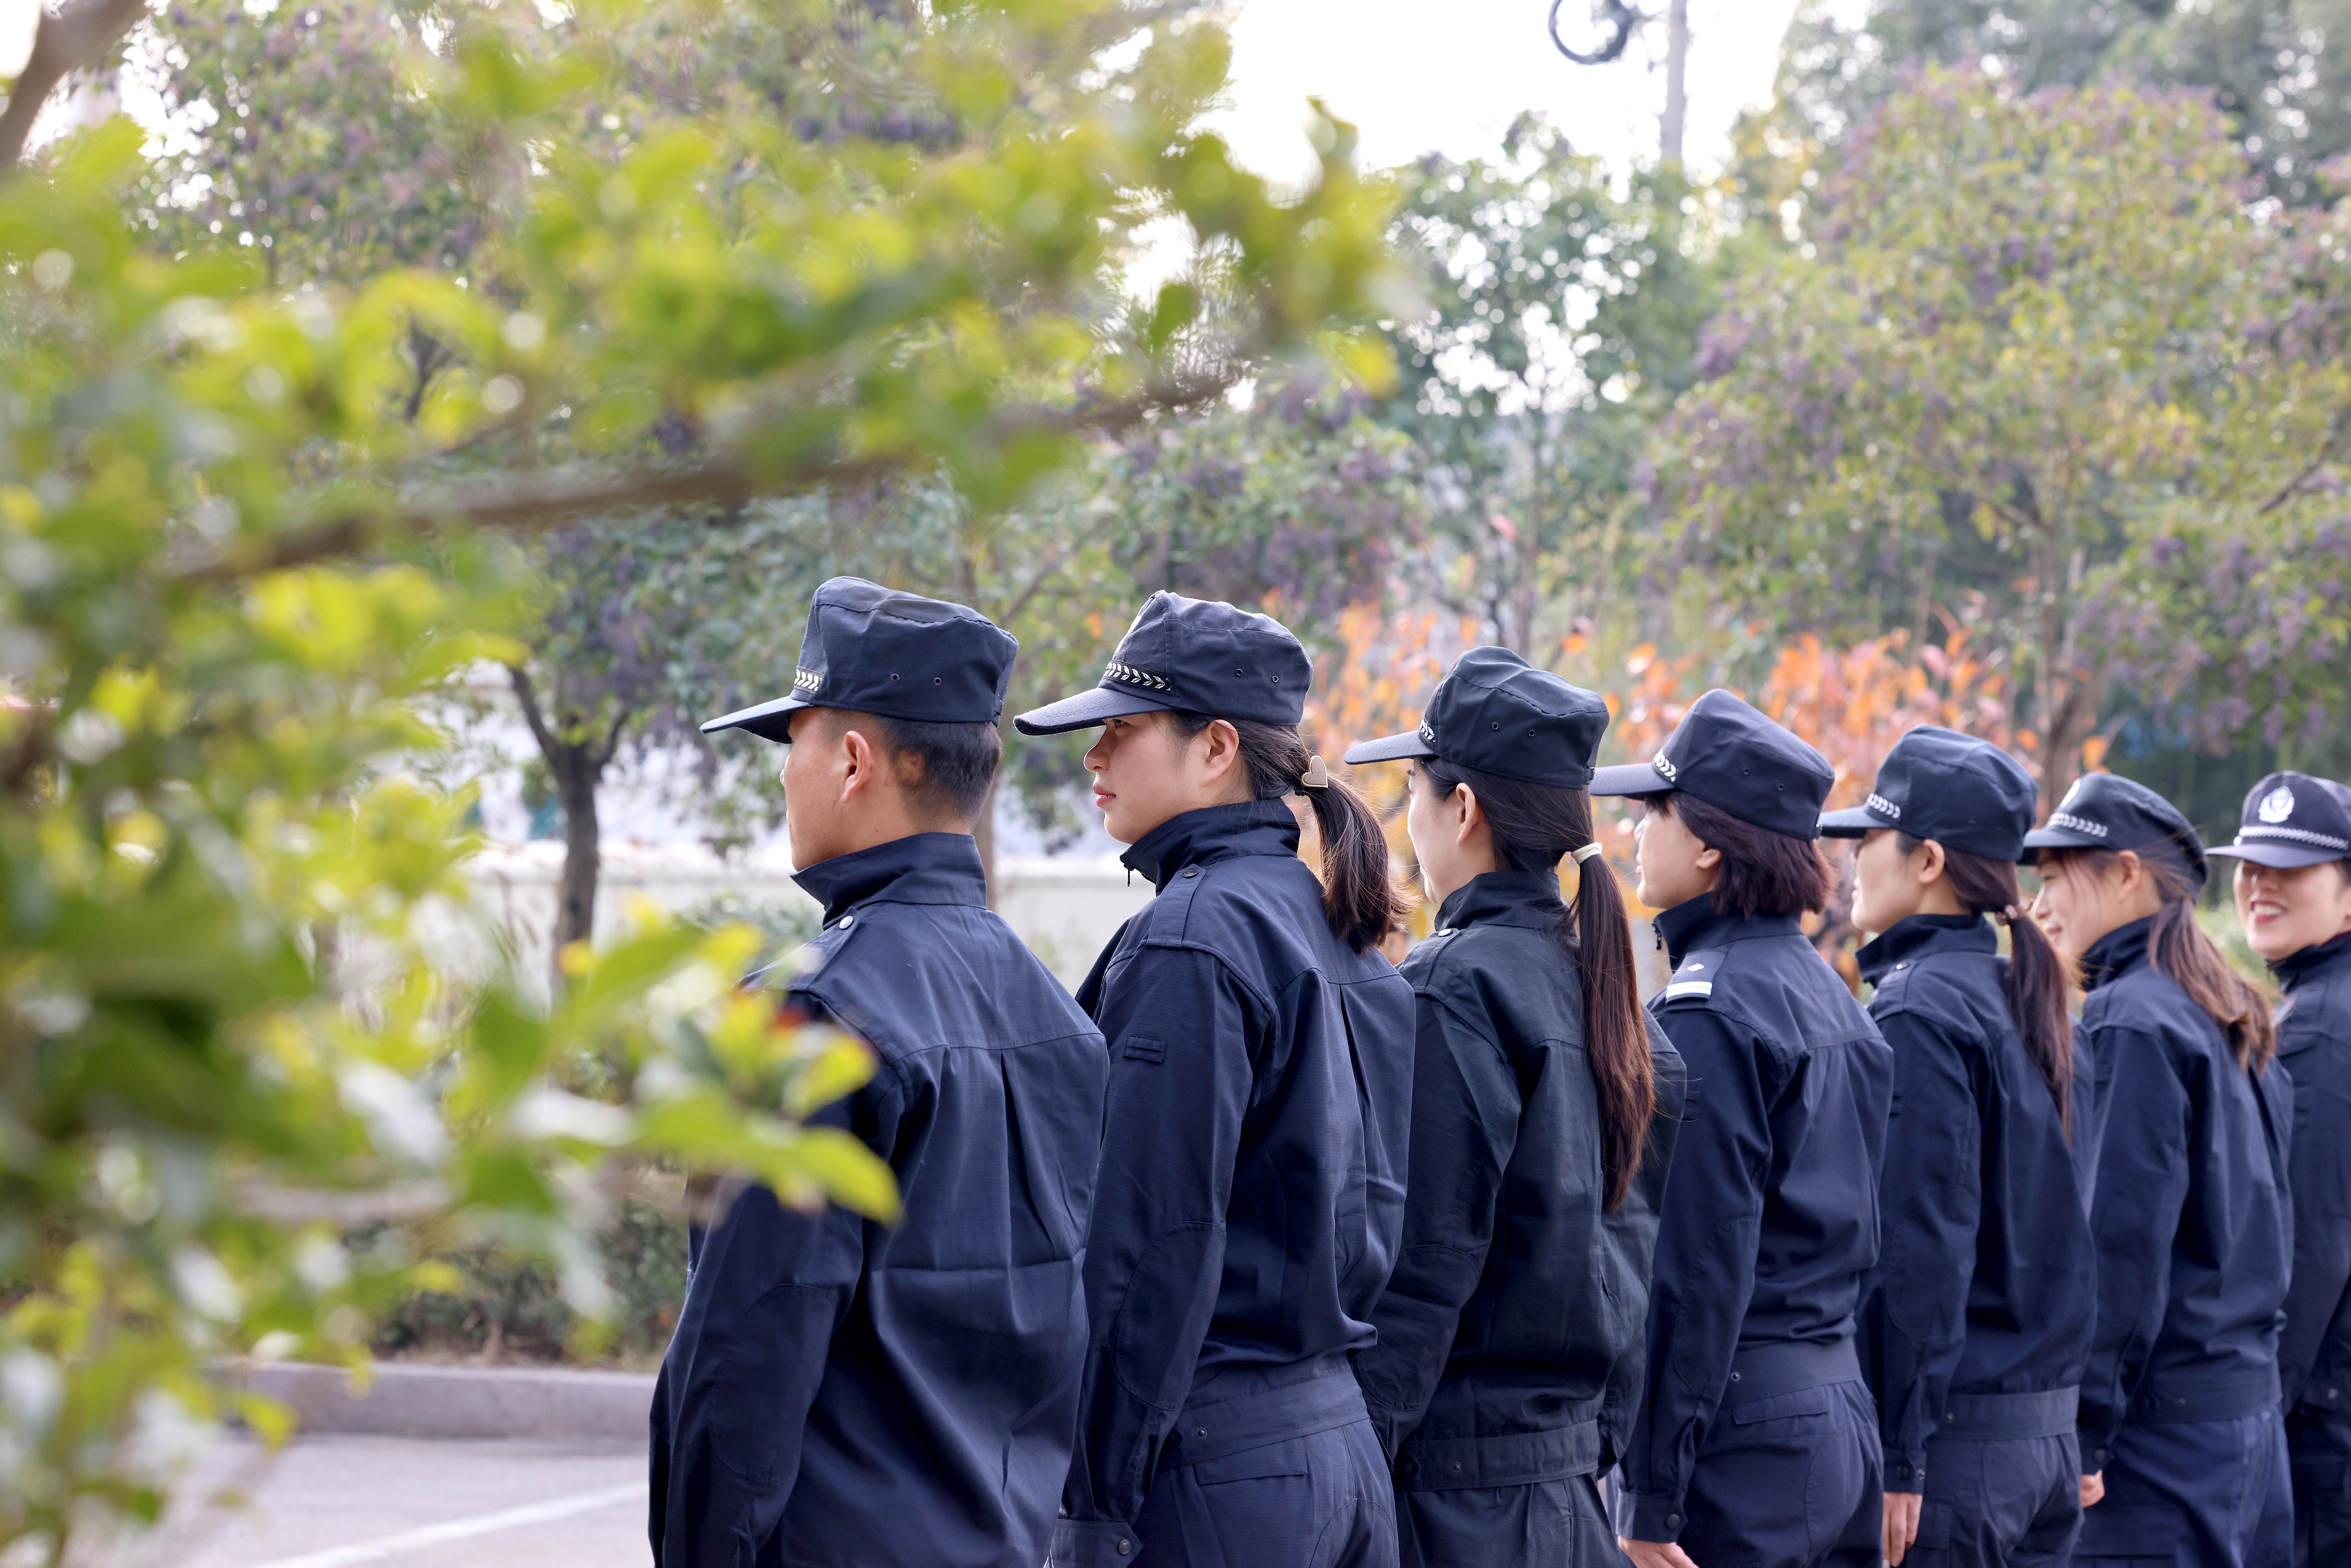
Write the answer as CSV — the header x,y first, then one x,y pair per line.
x,y
1317,776
1587,851
2011,914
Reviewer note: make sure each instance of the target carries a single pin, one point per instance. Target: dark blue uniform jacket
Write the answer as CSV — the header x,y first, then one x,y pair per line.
x,y
1511,1335
1984,1283
840,1392
1770,1211
2190,1215
1252,1185
2315,1047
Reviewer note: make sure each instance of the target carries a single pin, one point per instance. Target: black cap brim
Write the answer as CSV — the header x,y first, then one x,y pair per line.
x,y
2041,839
1630,778
1854,822
2277,857
1085,709
1390,749
768,720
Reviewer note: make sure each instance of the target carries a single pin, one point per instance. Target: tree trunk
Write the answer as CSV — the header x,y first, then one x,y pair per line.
x,y
1669,124
576,757
2067,704
983,832
576,772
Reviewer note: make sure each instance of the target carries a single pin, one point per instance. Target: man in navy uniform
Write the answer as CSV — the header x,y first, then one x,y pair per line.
x,y
2294,895
840,1392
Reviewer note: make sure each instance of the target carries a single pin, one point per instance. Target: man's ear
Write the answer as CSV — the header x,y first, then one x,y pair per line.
x,y
860,763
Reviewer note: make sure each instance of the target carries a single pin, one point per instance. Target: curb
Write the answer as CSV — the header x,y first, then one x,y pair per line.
x,y
458,1402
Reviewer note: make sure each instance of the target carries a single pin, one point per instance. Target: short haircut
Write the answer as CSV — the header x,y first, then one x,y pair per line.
x,y
946,770
1762,872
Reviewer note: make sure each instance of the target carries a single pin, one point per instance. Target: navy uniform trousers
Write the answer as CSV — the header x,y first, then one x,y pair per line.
x,y
2169,1505
1272,1474
2004,1486
2320,1462
1791,1471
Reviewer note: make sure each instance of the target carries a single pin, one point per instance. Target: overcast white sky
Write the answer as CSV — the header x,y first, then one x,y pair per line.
x,y
1418,76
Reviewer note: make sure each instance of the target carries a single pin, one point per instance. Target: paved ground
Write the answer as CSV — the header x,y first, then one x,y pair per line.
x,y
396,1502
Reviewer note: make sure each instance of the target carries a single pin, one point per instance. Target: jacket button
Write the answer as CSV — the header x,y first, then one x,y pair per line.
x,y
1199,1431
1191,870
2333,1394
845,922
1457,1467
1125,1546
1673,1522
1734,1377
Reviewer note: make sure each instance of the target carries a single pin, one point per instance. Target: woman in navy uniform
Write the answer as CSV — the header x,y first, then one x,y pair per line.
x,y
1978,1317
821,1403
2183,1447
2293,896
1544,1114
1757,1444
1252,1185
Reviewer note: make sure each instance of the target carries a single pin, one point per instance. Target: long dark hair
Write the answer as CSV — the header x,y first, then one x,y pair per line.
x,y
1358,900
1533,827
2179,947
2038,976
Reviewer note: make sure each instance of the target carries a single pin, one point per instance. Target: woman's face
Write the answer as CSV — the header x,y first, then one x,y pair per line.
x,y
1885,886
1669,865
1450,849
2080,901
1144,772
2285,911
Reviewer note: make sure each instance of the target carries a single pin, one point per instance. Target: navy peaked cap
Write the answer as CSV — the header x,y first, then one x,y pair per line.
x,y
2293,819
1963,792
1201,655
898,656
2109,811
1727,754
1498,713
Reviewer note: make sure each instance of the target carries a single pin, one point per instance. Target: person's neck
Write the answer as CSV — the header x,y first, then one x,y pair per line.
x,y
883,823
1459,874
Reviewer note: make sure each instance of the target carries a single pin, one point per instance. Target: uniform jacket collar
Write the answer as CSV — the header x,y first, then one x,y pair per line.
x,y
1694,924
1210,834
1923,935
923,868
2116,954
1504,898
2315,962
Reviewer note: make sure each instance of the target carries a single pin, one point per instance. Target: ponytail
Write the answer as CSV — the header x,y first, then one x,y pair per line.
x,y
1534,826
2038,976
1358,899
2178,948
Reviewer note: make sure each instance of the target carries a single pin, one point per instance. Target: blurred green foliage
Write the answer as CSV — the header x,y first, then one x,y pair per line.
x,y
254,495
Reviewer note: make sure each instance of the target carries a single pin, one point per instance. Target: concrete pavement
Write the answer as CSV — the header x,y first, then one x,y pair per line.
x,y
353,1501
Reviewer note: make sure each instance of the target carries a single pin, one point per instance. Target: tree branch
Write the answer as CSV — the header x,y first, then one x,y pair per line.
x,y
63,43
539,503
528,696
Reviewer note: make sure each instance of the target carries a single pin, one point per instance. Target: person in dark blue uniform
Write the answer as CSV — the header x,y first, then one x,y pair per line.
x,y
1977,1320
2183,1447
843,1394
1251,1185
1757,1444
2293,896
1544,1109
